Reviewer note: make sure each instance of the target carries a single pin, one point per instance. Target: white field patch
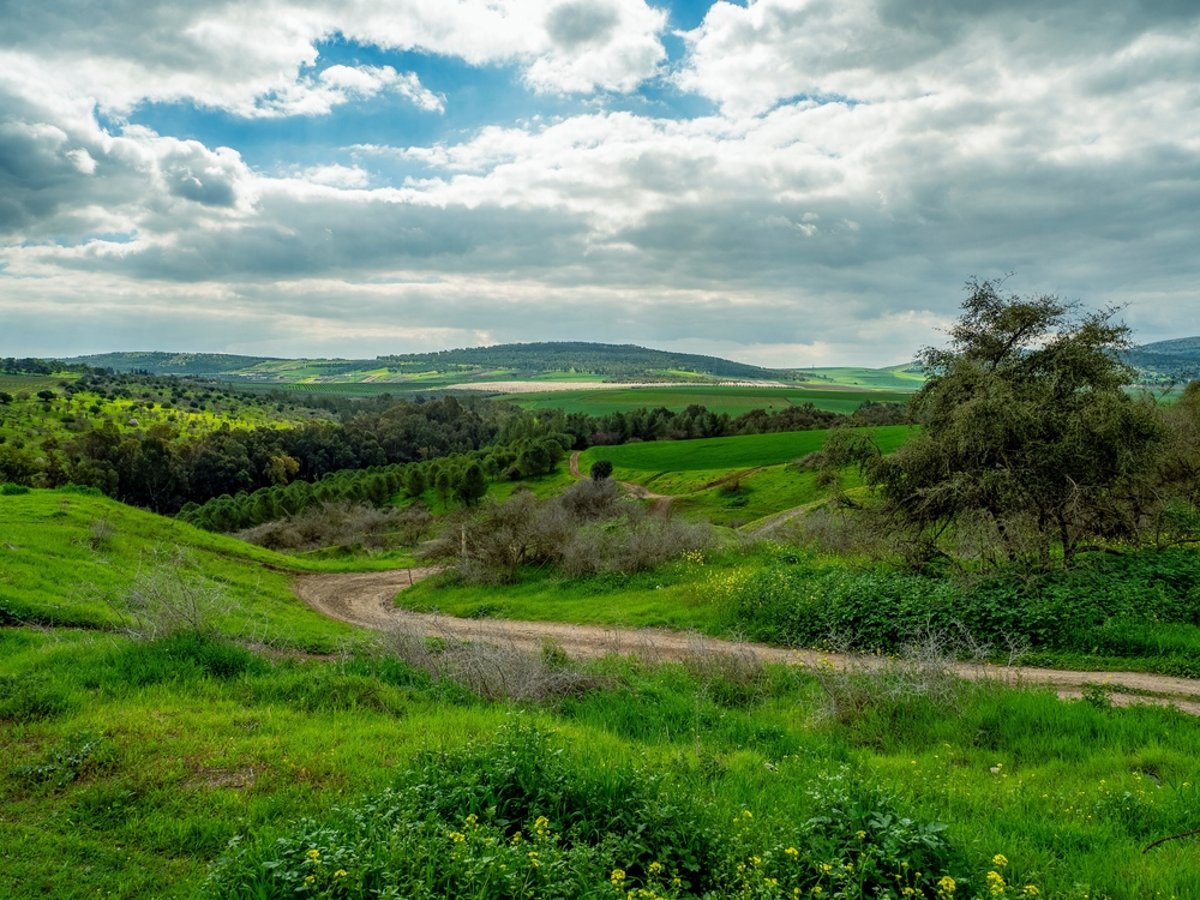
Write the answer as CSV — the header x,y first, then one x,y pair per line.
x,y
538,387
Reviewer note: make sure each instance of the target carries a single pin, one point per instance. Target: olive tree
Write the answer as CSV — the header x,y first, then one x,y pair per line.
x,y
1027,430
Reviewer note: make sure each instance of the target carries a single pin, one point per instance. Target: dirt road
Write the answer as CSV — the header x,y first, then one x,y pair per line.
x,y
661,501
367,599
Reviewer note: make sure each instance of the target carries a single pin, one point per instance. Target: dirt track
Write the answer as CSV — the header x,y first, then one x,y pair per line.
x,y
367,599
661,501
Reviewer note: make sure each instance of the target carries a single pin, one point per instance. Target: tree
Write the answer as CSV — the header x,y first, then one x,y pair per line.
x,y
471,485
601,469
1027,431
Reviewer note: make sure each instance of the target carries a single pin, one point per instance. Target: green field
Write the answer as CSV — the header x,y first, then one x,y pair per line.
x,y
896,378
732,480
66,556
727,453
730,399
271,752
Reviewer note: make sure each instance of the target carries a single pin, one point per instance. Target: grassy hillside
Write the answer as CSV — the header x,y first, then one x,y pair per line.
x,y
732,399
734,480
75,559
196,763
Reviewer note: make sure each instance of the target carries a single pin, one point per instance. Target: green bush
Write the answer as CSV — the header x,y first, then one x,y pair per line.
x,y
9,489
520,817
1133,605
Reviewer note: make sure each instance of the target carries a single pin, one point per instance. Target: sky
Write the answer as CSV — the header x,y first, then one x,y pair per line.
x,y
782,182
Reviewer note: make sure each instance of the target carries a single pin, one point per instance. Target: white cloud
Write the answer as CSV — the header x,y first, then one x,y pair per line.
x,y
1059,144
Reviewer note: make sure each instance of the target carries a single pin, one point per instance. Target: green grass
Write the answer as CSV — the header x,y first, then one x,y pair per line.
x,y
716,398
130,766
56,571
895,378
733,480
677,596
727,453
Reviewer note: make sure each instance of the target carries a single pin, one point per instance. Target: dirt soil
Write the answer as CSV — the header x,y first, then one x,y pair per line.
x,y
661,501
367,599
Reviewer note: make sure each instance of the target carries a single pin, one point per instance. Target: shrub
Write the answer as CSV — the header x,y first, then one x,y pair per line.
x,y
169,598
9,489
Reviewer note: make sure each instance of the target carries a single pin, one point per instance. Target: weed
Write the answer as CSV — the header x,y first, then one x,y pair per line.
x,y
64,763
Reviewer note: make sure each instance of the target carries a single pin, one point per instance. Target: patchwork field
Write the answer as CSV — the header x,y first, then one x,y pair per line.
x,y
733,400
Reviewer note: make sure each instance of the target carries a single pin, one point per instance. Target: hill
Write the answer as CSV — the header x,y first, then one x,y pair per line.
x,y
1166,361
521,361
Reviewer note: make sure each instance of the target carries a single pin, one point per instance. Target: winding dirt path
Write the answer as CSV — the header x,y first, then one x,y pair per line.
x,y
660,501
367,599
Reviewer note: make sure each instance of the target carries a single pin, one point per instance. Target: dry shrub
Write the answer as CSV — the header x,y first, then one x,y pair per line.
x,y
100,534
838,529
732,677
167,599
493,670
343,524
587,530
634,542
923,673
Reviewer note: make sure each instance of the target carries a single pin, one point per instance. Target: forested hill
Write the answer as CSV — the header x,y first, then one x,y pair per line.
x,y
1175,360
609,361
614,360
158,363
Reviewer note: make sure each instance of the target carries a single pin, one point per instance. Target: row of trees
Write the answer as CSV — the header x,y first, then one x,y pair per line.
x,y
459,478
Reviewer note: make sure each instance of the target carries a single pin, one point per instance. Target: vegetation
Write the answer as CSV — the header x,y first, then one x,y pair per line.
x,y
1027,432
176,723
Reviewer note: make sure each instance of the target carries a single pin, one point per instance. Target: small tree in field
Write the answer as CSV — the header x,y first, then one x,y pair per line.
x,y
601,469
1027,430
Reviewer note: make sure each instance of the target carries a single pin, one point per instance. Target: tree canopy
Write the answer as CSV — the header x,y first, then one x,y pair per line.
x,y
1028,433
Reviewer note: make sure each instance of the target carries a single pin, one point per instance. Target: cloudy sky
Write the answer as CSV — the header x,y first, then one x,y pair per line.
x,y
786,182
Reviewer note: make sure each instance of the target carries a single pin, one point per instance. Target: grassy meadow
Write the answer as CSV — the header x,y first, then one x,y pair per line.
x,y
188,765
731,399
733,480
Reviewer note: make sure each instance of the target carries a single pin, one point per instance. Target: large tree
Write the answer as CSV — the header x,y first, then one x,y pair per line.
x,y
1028,431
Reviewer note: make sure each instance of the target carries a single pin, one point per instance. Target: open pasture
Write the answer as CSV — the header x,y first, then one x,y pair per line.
x,y
727,453
733,400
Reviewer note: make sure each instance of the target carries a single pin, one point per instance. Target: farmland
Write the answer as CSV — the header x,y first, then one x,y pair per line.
x,y
730,399
734,480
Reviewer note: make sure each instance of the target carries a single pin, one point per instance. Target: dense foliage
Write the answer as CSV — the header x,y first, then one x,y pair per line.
x,y
1109,606
1028,431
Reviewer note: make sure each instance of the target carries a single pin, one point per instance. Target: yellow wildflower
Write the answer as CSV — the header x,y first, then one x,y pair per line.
x,y
1031,890
826,868
471,820
617,876
314,853
654,868
340,873
457,836
947,886
995,883
792,852
999,860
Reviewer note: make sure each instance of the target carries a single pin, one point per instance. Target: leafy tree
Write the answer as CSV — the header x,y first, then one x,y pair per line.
x,y
601,469
471,485
1027,432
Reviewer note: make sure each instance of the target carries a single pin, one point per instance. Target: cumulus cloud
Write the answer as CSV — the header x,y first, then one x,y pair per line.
x,y
864,158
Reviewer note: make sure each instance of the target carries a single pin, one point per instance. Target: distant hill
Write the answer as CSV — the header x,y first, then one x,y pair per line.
x,y
158,363
1167,361
612,362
